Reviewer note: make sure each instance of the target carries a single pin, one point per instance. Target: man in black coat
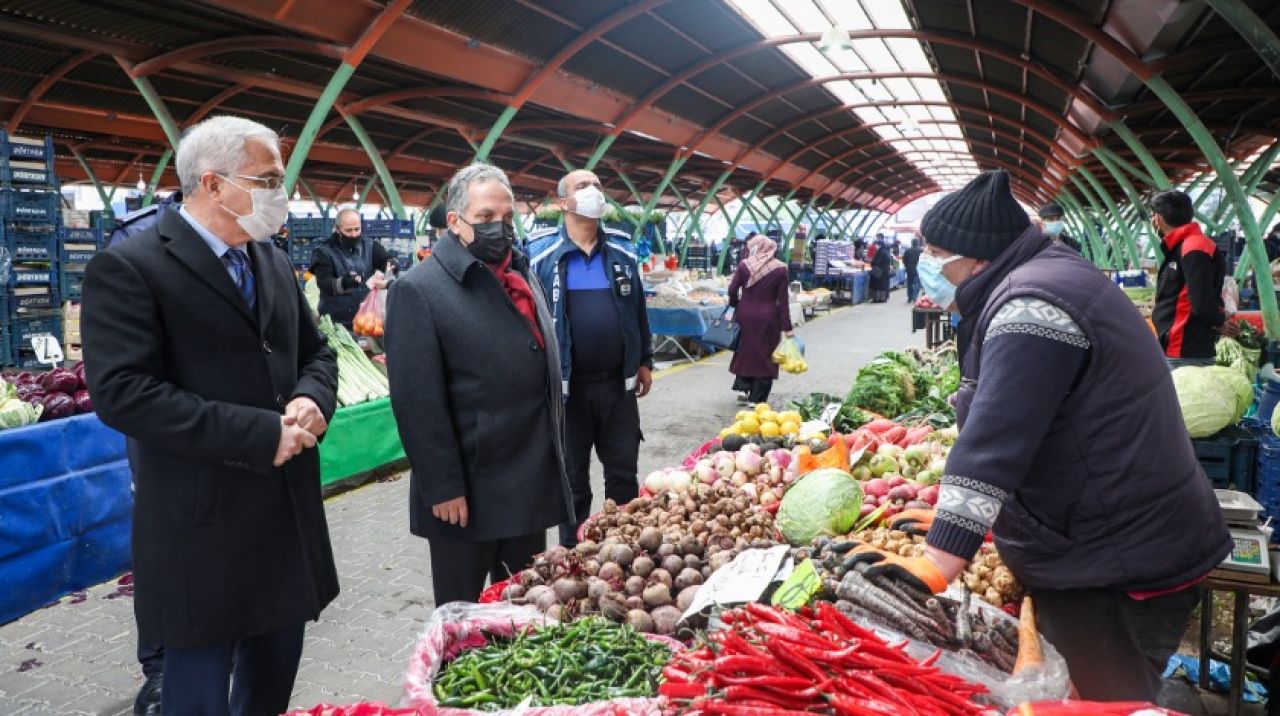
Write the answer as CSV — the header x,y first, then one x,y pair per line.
x,y
200,348
343,265
475,387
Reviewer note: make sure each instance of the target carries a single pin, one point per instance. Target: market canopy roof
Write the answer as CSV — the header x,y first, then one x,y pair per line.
x,y
927,93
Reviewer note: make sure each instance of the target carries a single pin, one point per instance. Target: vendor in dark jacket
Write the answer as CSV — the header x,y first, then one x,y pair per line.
x,y
475,387
1189,313
1051,215
343,264
1072,449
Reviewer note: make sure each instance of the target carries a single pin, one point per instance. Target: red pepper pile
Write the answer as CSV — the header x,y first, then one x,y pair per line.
x,y
770,662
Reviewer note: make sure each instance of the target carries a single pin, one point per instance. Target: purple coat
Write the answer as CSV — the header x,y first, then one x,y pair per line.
x,y
763,312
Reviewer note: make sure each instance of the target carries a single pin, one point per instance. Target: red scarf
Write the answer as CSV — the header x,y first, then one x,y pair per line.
x,y
521,295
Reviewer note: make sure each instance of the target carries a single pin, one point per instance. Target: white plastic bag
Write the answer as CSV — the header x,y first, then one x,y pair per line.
x,y
1230,296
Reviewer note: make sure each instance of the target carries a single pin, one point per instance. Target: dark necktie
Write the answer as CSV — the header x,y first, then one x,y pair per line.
x,y
242,272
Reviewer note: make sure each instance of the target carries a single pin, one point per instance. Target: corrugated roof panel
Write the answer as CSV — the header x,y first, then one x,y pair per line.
x,y
646,37
610,68
686,103
507,25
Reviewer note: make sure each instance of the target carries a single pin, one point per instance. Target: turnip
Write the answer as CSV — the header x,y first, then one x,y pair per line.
x,y
679,481
753,447
876,487
724,464
748,461
640,620
897,480
767,498
775,474
866,509
739,478
749,490
900,492
655,481
780,458
705,471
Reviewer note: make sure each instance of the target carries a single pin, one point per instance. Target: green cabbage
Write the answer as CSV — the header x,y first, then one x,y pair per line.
x,y
15,413
822,502
1231,354
1275,422
1208,404
1240,386
7,390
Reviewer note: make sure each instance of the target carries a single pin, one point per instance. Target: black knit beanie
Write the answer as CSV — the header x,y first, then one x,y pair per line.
x,y
979,221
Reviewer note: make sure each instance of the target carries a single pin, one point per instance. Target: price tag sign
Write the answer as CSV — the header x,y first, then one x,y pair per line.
x,y
829,413
800,587
47,349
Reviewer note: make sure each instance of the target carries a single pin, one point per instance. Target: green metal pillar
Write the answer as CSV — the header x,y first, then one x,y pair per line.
x,y
599,152
1119,161
713,192
500,126
149,94
1255,31
1114,211
1135,201
1148,161
93,177
1102,213
311,130
379,166
1102,257
364,193
1248,223
324,210
156,176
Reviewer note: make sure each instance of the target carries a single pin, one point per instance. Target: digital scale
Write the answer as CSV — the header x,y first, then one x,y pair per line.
x,y
1249,543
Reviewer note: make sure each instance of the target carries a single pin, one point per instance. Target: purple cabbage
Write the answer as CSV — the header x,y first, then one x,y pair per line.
x,y
57,405
60,380
83,403
78,369
29,392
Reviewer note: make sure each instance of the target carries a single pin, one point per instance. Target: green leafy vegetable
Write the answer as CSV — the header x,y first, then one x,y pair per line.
x,y
883,386
823,502
1208,404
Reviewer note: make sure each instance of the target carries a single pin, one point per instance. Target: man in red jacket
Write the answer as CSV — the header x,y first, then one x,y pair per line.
x,y
1188,313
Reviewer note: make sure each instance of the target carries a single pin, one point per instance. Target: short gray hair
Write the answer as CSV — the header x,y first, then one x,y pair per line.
x,y
217,145
460,185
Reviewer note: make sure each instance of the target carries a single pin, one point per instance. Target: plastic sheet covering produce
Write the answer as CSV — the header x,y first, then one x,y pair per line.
x,y
65,506
458,626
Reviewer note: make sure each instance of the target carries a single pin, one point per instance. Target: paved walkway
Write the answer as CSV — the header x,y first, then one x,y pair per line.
x,y
77,657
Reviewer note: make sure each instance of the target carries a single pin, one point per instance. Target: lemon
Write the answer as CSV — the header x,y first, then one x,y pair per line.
x,y
791,416
761,407
769,416
725,433
749,424
769,430
742,414
789,427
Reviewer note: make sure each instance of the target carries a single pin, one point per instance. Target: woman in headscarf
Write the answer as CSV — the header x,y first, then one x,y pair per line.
x,y
759,296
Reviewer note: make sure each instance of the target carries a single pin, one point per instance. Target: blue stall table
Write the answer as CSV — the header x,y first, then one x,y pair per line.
x,y
65,511
675,323
861,286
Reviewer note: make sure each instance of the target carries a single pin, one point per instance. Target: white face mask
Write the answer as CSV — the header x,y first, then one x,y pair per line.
x,y
590,203
270,210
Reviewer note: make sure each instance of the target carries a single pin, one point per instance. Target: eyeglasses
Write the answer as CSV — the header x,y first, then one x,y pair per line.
x,y
270,182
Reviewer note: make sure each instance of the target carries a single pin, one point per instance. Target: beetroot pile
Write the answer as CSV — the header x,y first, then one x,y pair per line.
x,y
60,393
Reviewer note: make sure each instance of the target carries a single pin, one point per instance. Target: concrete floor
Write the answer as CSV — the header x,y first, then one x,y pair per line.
x,y
77,656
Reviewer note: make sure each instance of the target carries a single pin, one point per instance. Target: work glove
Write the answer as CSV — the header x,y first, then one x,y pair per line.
x,y
914,522
350,281
917,572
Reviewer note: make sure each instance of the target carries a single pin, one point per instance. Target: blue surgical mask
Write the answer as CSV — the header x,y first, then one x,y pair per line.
x,y
1053,228
936,286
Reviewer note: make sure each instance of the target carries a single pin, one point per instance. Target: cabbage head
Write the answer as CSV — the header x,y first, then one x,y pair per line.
x,y
1229,353
15,413
7,390
822,502
1240,386
1208,404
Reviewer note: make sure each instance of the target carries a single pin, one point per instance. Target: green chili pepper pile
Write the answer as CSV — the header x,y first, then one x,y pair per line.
x,y
587,661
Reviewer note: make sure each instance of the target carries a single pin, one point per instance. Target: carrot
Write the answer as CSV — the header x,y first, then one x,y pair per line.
x,y
880,425
1029,653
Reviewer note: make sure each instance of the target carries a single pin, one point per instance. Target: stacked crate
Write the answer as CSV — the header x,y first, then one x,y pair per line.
x,y
30,219
395,235
304,233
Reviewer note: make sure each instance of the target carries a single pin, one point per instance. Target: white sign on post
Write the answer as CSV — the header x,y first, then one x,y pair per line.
x,y
47,349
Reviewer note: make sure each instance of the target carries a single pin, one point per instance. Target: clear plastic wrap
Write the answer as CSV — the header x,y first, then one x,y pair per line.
x,y
1047,681
459,625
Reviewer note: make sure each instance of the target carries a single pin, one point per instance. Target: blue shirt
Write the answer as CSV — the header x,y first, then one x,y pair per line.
x,y
218,246
593,314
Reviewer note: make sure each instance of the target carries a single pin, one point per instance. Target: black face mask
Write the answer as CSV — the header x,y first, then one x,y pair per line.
x,y
493,240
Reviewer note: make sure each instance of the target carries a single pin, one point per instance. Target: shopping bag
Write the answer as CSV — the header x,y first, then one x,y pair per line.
x,y
790,355
723,332
369,317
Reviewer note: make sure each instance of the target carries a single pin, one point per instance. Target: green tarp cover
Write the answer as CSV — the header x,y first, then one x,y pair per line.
x,y
360,438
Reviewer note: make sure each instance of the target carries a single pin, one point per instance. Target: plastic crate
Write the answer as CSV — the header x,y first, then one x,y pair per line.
x,y
1266,488
21,330
25,359
33,274
82,235
70,284
30,207
77,253
1229,458
26,149
15,174
38,304
6,350
387,228
300,251
29,245
309,227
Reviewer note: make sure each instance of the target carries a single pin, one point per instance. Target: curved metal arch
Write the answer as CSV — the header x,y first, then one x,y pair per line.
x,y
214,102
1066,18
1047,141
684,75
566,53
813,145
1023,173
995,89
235,44
868,177
44,85
1206,96
361,106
